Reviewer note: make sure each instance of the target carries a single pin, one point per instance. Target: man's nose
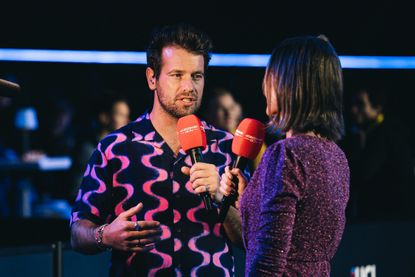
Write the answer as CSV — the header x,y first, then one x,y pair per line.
x,y
187,84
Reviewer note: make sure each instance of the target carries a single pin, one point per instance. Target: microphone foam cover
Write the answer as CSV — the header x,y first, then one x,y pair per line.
x,y
248,138
191,133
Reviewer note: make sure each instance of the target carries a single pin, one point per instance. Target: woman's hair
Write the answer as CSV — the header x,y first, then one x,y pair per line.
x,y
181,35
306,76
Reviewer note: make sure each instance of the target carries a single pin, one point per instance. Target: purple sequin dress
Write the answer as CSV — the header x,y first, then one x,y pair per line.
x,y
293,209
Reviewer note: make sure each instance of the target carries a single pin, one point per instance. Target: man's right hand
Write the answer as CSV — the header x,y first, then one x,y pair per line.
x,y
126,235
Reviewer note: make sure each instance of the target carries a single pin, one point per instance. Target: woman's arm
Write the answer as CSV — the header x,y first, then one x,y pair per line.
x,y
280,192
233,222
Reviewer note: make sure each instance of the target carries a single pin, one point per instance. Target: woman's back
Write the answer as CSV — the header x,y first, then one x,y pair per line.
x,y
294,207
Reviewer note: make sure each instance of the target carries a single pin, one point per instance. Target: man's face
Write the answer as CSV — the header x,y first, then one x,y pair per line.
x,y
228,113
179,87
363,112
120,114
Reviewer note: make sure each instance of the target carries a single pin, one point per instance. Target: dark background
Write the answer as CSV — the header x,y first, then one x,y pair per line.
x,y
353,27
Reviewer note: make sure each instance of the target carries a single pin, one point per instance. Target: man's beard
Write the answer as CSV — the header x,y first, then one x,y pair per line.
x,y
175,111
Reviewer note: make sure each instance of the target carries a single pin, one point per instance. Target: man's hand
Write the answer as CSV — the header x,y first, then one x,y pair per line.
x,y
204,177
123,234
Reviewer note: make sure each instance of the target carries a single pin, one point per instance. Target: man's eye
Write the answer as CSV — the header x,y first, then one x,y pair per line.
x,y
197,76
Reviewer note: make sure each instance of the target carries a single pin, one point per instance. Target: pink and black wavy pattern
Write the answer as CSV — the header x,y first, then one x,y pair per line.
x,y
163,205
142,174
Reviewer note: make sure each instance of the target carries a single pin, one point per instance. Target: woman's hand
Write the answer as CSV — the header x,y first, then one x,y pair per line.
x,y
228,186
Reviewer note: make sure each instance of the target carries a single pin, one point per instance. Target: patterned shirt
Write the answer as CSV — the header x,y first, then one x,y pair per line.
x,y
134,164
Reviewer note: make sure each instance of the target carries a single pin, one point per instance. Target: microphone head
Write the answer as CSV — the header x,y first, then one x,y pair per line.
x,y
8,89
191,133
248,138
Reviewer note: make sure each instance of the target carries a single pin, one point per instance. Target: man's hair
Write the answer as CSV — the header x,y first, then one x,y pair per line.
x,y
214,96
306,76
181,35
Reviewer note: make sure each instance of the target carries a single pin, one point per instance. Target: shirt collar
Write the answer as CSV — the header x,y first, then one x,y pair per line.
x,y
147,132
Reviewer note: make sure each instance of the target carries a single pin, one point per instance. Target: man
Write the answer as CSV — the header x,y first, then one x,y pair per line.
x,y
112,113
378,150
136,196
225,112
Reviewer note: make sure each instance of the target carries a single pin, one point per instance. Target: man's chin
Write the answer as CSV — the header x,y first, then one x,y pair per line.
x,y
183,112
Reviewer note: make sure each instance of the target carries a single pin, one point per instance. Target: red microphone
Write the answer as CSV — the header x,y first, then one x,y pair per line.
x,y
192,139
246,144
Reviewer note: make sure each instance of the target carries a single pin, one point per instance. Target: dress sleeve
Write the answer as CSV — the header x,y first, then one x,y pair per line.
x,y
93,198
280,191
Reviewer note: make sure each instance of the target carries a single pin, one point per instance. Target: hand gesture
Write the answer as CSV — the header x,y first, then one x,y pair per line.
x,y
135,236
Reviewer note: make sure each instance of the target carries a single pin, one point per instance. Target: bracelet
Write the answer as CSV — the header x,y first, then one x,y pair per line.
x,y
98,237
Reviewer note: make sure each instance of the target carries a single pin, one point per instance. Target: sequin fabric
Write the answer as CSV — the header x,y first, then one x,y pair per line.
x,y
293,209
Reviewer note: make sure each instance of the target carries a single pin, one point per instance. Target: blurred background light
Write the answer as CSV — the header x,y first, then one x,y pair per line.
x,y
222,60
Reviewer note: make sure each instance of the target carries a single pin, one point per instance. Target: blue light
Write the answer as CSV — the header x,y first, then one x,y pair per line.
x,y
72,56
222,60
378,62
239,60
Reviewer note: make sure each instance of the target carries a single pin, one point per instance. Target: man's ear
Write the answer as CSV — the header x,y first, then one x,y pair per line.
x,y
151,78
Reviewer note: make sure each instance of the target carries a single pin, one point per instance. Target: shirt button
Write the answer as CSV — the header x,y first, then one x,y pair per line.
x,y
178,230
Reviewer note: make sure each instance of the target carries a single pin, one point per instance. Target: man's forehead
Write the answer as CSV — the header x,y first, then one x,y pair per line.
x,y
168,51
172,51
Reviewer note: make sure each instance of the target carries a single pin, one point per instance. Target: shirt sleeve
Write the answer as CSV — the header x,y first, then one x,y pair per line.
x,y
280,191
93,199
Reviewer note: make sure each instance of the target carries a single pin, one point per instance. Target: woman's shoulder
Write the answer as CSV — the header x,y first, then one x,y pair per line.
x,y
303,146
280,150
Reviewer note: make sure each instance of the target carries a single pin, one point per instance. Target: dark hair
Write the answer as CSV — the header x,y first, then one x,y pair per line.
x,y
107,101
305,73
214,96
208,107
184,36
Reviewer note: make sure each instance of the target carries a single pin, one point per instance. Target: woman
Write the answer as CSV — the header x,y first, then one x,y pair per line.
x,y
293,209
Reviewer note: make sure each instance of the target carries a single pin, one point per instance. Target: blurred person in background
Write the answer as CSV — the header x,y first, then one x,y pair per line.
x,y
224,112
378,149
58,133
113,113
